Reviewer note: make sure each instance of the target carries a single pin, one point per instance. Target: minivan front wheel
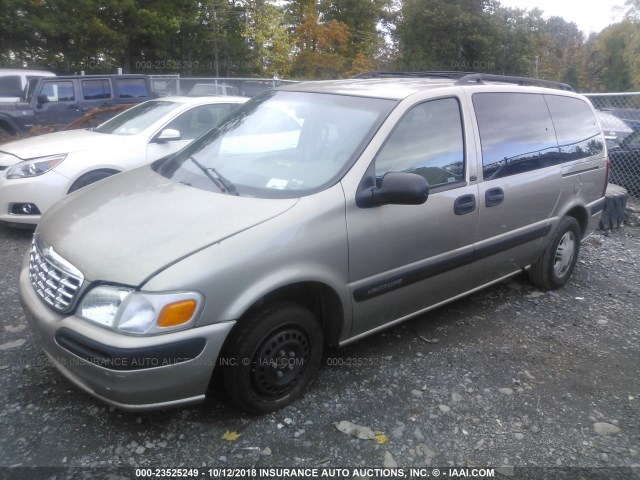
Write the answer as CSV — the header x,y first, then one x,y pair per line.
x,y
556,264
271,357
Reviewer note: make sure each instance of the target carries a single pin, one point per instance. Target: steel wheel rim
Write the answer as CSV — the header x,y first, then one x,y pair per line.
x,y
564,254
280,362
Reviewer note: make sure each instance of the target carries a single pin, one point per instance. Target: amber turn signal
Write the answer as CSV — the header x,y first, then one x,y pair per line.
x,y
176,313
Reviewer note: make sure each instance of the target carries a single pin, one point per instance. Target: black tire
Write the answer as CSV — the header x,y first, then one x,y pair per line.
x,y
6,133
554,267
89,178
272,356
615,206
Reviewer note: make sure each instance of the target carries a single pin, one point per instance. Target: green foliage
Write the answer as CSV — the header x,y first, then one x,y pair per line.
x,y
316,39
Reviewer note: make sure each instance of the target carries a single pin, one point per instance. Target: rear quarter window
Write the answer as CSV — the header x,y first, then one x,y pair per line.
x,y
132,88
516,133
576,127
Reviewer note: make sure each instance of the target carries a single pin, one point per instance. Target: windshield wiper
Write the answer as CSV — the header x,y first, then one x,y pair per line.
x,y
223,183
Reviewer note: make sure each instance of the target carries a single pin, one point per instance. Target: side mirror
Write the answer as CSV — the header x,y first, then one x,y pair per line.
x,y
396,188
42,99
168,135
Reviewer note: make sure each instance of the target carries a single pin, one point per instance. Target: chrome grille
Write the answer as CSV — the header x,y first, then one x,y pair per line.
x,y
56,281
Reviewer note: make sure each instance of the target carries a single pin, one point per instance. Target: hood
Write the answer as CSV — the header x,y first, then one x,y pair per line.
x,y
58,142
130,226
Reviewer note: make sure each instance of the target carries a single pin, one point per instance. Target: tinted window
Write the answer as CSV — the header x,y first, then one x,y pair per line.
x,y
516,133
427,141
132,87
96,89
58,91
576,127
10,86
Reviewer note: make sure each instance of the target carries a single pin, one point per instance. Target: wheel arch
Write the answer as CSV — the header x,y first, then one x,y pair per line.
x,y
322,300
110,171
581,215
8,124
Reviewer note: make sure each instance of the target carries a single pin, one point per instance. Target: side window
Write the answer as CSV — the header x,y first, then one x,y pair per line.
x,y
96,89
195,122
516,133
576,127
132,88
61,91
427,141
10,86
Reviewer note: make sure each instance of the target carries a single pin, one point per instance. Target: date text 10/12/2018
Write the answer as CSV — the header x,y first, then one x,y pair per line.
x,y
266,473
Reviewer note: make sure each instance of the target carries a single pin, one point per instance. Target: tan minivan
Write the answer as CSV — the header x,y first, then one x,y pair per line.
x,y
313,215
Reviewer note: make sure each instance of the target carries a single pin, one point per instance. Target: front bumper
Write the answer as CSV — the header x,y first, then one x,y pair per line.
x,y
42,191
166,371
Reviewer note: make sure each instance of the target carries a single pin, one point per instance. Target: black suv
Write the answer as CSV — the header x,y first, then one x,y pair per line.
x,y
61,100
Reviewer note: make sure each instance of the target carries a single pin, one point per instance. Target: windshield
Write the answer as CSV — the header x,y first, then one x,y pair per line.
x,y
138,118
280,144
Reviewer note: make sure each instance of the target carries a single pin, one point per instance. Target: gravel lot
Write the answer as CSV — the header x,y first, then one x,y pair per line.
x,y
511,376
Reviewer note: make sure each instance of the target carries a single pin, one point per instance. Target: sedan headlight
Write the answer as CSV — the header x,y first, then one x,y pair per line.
x,y
140,313
35,166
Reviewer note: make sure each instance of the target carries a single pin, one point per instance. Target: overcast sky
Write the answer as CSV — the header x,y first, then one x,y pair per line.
x,y
589,15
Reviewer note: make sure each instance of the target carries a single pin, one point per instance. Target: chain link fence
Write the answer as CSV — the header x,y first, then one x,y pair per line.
x,y
619,115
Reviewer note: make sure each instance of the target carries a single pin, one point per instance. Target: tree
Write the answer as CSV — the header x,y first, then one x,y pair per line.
x,y
270,42
445,34
321,46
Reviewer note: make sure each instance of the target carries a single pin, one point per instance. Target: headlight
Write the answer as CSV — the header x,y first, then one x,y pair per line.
x,y
35,167
140,313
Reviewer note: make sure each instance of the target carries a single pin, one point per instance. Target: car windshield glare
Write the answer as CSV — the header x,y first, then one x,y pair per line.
x,y
281,144
138,118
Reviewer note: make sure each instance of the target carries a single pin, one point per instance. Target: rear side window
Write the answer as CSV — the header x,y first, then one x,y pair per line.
x,y
132,88
428,141
96,89
10,86
576,127
516,133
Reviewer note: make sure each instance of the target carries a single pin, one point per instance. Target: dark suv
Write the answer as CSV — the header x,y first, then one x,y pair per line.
x,y
61,100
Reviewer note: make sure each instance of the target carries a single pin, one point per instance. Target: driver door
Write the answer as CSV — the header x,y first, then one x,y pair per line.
x,y
405,258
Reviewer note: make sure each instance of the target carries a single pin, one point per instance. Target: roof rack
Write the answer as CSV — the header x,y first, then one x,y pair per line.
x,y
431,74
465,78
480,78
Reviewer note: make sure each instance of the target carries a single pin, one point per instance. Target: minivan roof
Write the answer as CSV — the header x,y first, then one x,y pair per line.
x,y
390,88
399,85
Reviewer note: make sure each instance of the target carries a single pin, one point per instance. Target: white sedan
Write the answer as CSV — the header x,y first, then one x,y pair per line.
x,y
36,172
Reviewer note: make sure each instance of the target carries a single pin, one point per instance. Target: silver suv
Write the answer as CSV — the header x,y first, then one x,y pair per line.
x,y
316,214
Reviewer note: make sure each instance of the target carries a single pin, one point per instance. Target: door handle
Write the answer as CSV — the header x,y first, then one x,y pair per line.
x,y
464,204
493,197
73,107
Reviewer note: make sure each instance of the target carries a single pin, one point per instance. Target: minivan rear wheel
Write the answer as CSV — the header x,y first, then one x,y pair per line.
x,y
271,357
554,267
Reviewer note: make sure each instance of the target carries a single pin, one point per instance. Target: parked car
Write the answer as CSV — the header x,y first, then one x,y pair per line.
x,y
625,163
630,116
615,129
207,89
63,99
315,214
14,80
36,172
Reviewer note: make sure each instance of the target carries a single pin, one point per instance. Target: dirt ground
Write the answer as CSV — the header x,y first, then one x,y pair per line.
x,y
546,382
